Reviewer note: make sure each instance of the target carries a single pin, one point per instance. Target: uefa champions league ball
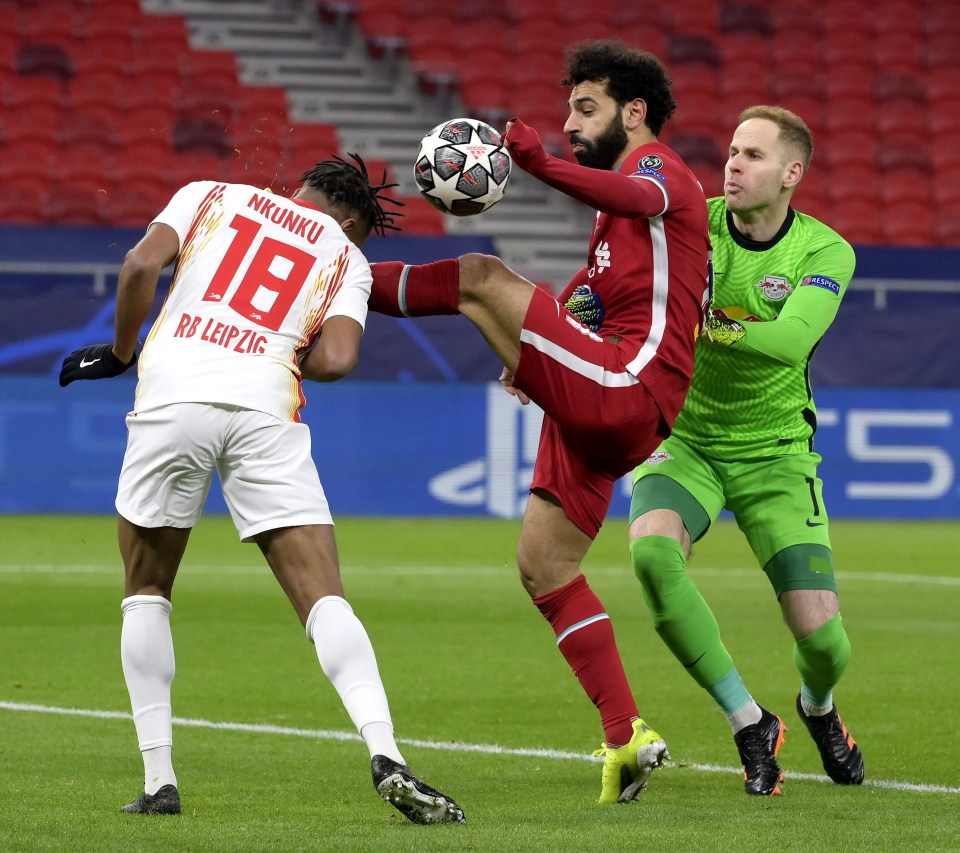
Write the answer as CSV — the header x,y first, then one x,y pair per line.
x,y
462,167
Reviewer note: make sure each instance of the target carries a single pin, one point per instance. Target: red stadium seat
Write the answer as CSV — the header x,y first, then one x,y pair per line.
x,y
535,31
902,157
133,164
88,131
858,220
699,50
41,97
216,69
197,167
746,17
211,101
72,205
849,121
594,20
487,99
81,165
942,49
853,181
97,91
946,228
202,135
897,51
24,205
902,123
151,141
157,76
265,149
308,144
50,23
165,36
848,78
693,18
909,225
264,106
131,209
44,59
419,217
29,130
898,188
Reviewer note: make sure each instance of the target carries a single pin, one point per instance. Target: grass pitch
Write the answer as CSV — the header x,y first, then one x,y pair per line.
x,y
484,705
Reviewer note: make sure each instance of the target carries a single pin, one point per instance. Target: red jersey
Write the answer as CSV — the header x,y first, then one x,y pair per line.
x,y
648,260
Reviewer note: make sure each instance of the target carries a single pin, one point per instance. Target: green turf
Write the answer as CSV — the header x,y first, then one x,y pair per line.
x,y
466,659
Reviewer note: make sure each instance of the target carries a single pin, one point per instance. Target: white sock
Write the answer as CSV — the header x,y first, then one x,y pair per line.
x,y
812,710
379,740
748,715
347,659
146,653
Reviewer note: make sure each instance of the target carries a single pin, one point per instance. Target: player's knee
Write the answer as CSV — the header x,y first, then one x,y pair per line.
x,y
827,649
478,273
658,563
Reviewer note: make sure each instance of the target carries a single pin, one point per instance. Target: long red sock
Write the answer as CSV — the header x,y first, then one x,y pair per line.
x,y
585,638
400,290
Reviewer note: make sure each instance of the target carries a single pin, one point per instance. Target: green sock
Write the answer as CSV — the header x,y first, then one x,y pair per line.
x,y
680,615
821,658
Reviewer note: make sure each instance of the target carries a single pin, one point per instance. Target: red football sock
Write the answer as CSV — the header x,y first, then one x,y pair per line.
x,y
585,638
400,290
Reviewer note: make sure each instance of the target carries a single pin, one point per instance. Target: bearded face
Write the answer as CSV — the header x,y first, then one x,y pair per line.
x,y
603,151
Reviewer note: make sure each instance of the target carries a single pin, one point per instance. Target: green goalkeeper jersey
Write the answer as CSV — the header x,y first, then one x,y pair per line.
x,y
753,399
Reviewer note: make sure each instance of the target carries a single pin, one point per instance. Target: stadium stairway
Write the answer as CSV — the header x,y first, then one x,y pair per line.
x,y
331,76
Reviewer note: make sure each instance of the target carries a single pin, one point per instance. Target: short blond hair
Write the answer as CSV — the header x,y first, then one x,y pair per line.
x,y
796,136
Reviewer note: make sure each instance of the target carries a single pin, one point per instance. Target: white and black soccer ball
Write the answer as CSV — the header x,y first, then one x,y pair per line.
x,y
462,167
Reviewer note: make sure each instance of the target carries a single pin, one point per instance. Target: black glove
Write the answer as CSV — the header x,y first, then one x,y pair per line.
x,y
96,362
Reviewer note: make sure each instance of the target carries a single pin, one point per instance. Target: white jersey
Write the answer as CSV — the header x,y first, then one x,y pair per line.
x,y
256,276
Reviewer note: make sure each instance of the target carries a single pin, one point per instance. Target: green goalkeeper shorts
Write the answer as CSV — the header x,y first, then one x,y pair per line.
x,y
776,501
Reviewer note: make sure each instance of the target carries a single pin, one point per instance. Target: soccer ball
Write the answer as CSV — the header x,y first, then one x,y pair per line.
x,y
462,167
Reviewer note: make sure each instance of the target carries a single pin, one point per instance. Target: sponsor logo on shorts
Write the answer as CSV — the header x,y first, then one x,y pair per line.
x,y
821,281
657,457
775,287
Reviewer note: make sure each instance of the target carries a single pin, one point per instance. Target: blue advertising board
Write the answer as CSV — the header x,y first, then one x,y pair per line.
x,y
443,449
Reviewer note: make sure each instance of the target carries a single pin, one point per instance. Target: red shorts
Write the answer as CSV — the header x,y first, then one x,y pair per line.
x,y
600,421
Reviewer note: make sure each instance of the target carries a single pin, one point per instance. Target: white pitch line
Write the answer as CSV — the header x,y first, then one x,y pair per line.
x,y
474,571
449,746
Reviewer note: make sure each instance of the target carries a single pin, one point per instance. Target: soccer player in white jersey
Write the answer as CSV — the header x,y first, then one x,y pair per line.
x,y
266,291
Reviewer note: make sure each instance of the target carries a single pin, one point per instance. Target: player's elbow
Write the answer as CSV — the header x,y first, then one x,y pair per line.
x,y
328,366
140,264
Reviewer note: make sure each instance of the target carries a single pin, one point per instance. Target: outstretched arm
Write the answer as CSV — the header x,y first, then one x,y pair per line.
x,y
606,191
136,288
137,285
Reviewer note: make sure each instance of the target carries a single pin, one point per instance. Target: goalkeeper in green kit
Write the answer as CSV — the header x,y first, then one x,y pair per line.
x,y
744,441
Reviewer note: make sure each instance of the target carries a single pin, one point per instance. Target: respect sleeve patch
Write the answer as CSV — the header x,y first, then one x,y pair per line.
x,y
822,281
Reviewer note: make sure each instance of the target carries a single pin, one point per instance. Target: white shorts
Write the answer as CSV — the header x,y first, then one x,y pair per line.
x,y
268,476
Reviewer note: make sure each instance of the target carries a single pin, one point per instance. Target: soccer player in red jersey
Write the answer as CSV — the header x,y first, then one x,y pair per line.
x,y
609,361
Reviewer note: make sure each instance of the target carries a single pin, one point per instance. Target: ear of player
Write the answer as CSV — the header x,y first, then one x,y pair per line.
x,y
462,167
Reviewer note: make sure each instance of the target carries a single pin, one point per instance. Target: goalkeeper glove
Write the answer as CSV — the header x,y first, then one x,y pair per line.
x,y
722,331
586,306
94,362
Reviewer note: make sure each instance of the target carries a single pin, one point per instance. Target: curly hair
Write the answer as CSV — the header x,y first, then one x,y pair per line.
x,y
628,73
349,186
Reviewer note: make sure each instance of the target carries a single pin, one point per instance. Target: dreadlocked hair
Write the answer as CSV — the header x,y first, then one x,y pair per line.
x,y
349,186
